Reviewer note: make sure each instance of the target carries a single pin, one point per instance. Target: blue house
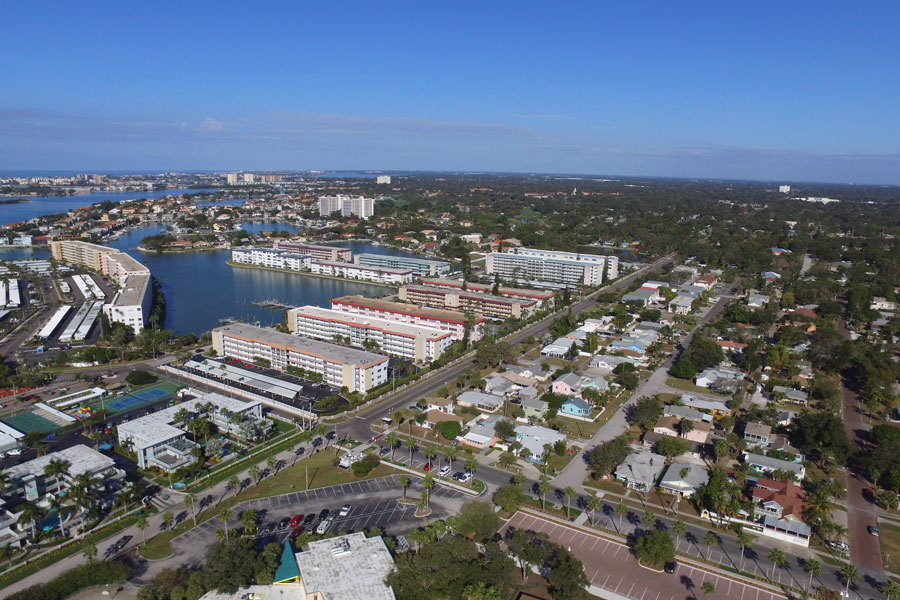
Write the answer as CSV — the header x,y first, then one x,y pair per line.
x,y
575,407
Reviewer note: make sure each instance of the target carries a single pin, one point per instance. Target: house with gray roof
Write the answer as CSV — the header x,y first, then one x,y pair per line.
x,y
640,470
684,479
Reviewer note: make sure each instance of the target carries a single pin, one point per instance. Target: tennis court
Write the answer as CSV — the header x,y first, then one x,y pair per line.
x,y
28,422
141,397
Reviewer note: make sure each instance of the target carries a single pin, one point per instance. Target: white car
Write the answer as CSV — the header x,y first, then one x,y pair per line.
x,y
445,470
323,526
345,510
465,477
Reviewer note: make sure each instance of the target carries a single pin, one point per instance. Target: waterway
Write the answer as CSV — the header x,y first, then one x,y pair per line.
x,y
50,205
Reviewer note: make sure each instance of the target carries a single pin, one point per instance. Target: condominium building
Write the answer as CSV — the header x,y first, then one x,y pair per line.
x,y
421,267
527,264
362,272
272,258
333,253
412,342
231,179
545,297
357,370
498,307
350,206
29,482
160,440
131,303
411,314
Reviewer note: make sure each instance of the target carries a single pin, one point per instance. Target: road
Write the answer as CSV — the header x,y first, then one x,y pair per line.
x,y
865,549
358,427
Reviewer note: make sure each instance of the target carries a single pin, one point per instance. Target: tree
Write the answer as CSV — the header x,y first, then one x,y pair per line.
x,y
822,436
708,588
621,511
428,483
225,516
231,565
703,352
529,548
90,552
504,429
31,513
478,520
679,529
56,468
813,567
778,560
567,579
646,412
190,500
890,589
234,483
449,430
480,591
683,369
168,518
142,524
510,498
411,445
685,427
471,464
605,457
254,473
649,518
849,574
711,539
450,454
392,439
655,548
671,447
507,459
403,481
272,463
592,505
568,492
744,542
543,488
139,377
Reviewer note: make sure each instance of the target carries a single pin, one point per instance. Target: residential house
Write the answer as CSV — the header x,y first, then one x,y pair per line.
x,y
707,282
481,432
640,470
757,434
716,377
771,277
534,408
433,417
714,407
671,426
499,386
483,402
780,506
444,405
559,348
879,304
757,300
575,407
681,304
727,345
567,385
684,479
528,393
686,412
791,395
535,438
768,465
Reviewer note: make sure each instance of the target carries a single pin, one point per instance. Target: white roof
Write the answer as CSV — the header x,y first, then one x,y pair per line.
x,y
349,567
80,459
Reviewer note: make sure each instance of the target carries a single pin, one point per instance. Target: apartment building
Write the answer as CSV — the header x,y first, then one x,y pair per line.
x,y
412,342
131,303
357,370
362,272
272,258
160,440
350,206
411,314
526,264
546,298
29,482
497,307
421,267
333,253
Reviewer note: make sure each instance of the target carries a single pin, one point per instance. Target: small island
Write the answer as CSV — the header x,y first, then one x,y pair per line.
x,y
13,201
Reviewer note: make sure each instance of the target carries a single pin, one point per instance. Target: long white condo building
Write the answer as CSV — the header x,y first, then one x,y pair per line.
x,y
528,264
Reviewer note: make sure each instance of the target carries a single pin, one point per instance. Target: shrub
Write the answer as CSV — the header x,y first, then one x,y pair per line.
x,y
141,378
361,468
449,429
69,582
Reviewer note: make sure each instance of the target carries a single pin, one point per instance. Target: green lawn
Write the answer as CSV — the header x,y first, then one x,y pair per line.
x,y
319,469
889,536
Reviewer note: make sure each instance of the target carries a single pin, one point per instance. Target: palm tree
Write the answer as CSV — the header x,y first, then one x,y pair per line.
x,y
744,543
711,540
593,504
890,590
430,453
254,474
568,492
56,468
507,459
392,440
221,535
543,488
450,453
31,513
225,516
428,483
234,482
621,511
168,518
411,445
778,560
142,524
90,552
679,529
519,478
471,465
813,567
57,503
849,573
190,500
708,588
649,519
248,518
403,480
5,482
271,462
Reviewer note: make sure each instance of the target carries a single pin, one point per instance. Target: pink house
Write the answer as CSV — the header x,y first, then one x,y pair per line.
x,y
671,426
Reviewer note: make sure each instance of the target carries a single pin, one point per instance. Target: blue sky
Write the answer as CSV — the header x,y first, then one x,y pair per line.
x,y
781,91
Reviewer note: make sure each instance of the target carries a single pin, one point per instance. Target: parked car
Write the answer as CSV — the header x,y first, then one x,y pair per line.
x,y
345,510
296,520
445,470
282,524
428,466
269,528
323,514
296,532
873,529
670,567
307,521
324,526
465,477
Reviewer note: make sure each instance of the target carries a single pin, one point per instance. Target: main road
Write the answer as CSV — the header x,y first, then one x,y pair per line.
x,y
359,426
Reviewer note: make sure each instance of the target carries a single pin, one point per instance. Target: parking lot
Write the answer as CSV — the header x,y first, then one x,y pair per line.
x,y
612,568
374,504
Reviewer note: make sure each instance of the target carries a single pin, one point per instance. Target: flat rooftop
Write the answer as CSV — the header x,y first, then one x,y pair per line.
x,y
133,291
345,265
302,345
512,291
388,257
437,314
80,459
484,296
349,567
328,314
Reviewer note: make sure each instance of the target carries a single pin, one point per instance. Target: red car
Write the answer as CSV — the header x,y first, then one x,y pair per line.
x,y
248,365
296,532
428,466
296,520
